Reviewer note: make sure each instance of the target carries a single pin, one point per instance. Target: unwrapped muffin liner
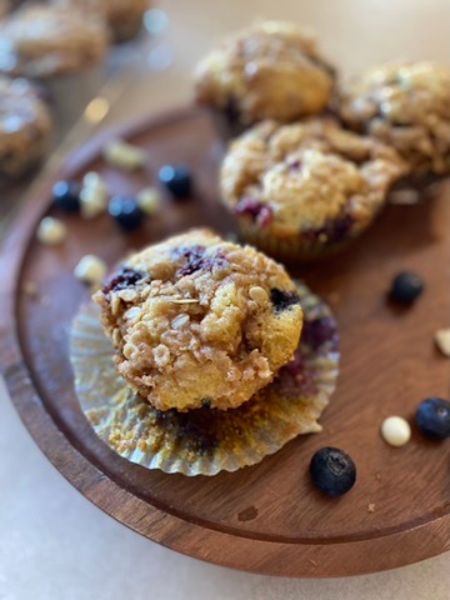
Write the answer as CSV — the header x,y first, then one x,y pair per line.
x,y
206,441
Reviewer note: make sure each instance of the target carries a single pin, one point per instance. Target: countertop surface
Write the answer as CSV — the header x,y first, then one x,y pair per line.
x,y
54,544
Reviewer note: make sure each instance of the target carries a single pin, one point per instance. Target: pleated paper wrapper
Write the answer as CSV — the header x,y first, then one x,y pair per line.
x,y
206,441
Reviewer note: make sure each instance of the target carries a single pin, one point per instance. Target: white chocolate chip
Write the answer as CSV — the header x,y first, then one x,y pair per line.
x,y
442,339
124,156
90,269
93,196
396,431
51,231
149,200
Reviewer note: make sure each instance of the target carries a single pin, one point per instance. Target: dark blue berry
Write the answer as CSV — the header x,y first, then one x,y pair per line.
x,y
125,210
66,196
332,471
406,288
177,179
433,418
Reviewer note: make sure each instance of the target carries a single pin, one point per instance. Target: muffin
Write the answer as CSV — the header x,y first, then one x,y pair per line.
x,y
271,70
123,17
206,440
25,127
406,105
58,45
197,321
4,7
303,190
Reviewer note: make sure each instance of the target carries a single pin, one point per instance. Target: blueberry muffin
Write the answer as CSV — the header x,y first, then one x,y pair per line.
x,y
41,41
25,127
123,17
4,8
405,105
272,70
197,321
303,190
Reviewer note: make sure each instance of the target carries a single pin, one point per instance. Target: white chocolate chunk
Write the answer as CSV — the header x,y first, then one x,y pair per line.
x,y
93,196
442,339
91,270
51,231
149,200
124,156
396,431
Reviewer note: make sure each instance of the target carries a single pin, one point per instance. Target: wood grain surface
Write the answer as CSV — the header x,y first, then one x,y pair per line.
x,y
267,518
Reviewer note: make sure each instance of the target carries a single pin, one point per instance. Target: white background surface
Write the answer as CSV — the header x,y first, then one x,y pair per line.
x,y
55,545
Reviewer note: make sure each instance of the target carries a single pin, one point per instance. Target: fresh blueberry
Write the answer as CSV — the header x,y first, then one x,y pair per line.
x,y
66,196
177,179
406,288
332,471
433,418
125,210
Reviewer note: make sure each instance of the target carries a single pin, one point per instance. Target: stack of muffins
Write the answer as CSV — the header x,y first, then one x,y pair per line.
x,y
59,47
320,156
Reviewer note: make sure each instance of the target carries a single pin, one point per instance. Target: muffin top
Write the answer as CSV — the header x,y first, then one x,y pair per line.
x,y
124,17
43,41
300,179
272,70
198,321
4,7
25,125
406,105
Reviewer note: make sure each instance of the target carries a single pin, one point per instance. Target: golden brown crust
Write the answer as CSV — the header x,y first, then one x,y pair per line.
x,y
45,41
203,322
304,176
270,70
406,105
123,17
25,127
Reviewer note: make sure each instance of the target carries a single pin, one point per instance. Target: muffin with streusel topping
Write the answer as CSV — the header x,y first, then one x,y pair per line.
x,y
303,190
271,70
406,105
197,321
25,127
123,17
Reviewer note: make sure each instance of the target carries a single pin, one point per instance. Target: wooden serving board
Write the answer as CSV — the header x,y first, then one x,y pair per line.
x,y
266,518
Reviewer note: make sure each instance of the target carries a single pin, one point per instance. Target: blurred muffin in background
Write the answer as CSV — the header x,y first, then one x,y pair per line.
x,y
60,46
123,17
42,41
4,7
271,70
25,127
304,190
406,105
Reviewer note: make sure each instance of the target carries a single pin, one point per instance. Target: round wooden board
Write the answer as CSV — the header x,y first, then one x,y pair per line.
x,y
266,518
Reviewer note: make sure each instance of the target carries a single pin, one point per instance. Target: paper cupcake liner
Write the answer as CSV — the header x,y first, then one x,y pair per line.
x,y
206,441
289,249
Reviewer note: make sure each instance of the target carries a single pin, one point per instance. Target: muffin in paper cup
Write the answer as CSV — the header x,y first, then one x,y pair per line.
x,y
269,70
305,190
206,441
